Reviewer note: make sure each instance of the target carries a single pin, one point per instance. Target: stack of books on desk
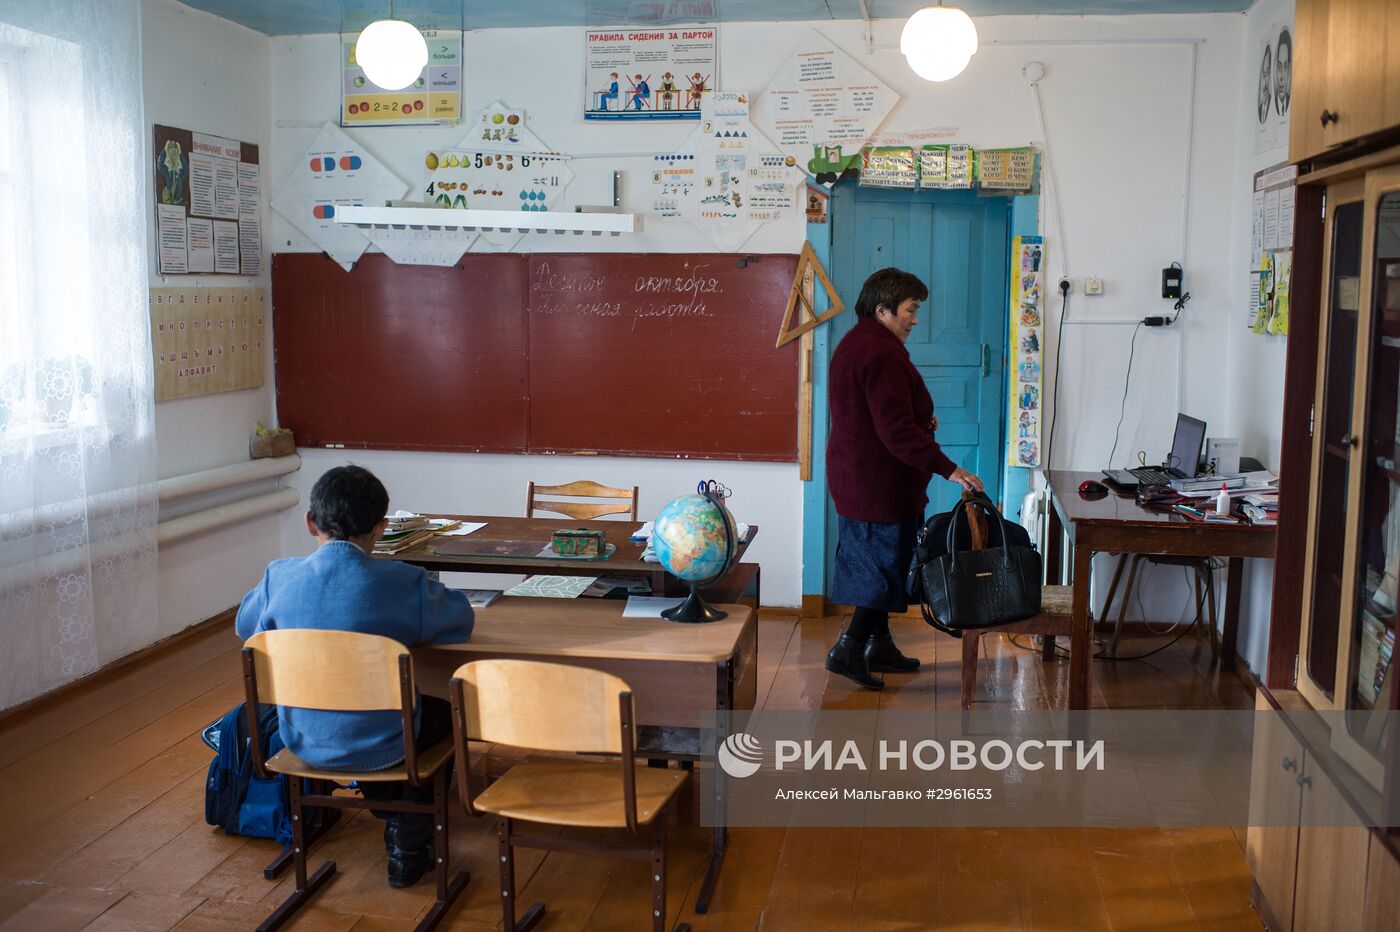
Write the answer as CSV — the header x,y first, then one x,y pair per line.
x,y
409,530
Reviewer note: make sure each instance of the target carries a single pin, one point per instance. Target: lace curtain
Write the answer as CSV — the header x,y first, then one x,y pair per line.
x,y
77,441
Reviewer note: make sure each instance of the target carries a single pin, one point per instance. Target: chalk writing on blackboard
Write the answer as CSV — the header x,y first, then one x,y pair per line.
x,y
657,296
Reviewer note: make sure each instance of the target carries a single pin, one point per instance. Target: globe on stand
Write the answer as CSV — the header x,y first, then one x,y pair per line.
x,y
694,540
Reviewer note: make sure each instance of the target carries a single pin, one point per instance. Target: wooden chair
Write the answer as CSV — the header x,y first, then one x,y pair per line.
x,y
615,501
1205,600
1054,620
562,709
349,672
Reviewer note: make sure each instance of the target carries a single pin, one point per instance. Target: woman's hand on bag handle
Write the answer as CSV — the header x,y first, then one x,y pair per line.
x,y
966,479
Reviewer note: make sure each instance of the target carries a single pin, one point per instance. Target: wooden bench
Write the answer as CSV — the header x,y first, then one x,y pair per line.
x,y
1056,603
1056,607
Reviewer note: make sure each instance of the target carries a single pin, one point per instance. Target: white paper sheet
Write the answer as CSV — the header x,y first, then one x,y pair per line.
x,y
649,606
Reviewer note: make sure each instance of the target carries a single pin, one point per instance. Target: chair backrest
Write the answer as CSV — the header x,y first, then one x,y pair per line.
x,y
345,671
545,706
614,501
976,523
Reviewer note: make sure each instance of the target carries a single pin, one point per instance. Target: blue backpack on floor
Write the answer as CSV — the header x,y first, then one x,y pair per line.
x,y
234,798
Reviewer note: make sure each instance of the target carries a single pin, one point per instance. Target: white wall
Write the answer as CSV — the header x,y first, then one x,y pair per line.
x,y
209,75
1255,412
1120,114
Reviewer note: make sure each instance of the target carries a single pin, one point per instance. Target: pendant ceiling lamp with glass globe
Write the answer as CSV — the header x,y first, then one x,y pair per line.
x,y
391,52
938,42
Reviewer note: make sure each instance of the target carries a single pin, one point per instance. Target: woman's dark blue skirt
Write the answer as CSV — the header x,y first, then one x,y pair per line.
x,y
872,562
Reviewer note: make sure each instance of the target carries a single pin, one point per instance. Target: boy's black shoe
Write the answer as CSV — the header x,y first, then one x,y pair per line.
x,y
406,868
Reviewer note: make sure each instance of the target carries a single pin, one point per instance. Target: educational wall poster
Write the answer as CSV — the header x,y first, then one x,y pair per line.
x,y
435,98
822,107
498,165
1006,169
1027,345
649,74
207,340
726,176
888,167
208,196
1271,248
945,166
335,171
1273,69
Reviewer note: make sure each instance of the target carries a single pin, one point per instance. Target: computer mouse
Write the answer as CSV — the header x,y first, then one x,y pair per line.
x,y
1090,487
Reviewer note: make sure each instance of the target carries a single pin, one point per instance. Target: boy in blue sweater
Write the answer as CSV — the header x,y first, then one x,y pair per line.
x,y
342,587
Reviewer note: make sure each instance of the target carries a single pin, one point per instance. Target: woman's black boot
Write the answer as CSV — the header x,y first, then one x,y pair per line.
x,y
883,656
848,659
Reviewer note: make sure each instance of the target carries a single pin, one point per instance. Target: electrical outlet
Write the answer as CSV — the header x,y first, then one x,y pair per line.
x,y
1093,285
1066,285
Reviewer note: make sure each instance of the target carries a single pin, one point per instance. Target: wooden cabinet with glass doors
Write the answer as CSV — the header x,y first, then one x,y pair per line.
x,y
1352,588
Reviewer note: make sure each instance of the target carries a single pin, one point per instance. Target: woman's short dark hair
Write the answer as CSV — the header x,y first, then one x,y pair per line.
x,y
890,287
348,501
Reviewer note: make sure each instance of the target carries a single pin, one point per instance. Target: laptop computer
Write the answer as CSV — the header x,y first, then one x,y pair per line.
x,y
1183,463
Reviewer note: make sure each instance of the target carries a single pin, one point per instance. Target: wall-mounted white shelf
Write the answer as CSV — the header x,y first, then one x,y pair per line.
x,y
486,221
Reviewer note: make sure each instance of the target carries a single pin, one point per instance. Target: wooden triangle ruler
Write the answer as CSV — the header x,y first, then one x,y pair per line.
x,y
806,264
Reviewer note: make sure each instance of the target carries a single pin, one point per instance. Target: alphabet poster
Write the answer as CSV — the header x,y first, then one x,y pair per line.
x,y
1027,346
649,74
207,340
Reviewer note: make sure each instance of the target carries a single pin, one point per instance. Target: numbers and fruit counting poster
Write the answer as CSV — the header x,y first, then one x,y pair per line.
x,y
499,165
207,340
435,97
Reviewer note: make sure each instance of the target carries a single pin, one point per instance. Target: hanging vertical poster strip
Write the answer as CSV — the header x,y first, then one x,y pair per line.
x,y
1027,342
888,167
1271,248
1006,169
945,166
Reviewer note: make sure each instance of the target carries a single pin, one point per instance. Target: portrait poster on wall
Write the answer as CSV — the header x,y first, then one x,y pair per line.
x,y
1273,74
1027,345
649,74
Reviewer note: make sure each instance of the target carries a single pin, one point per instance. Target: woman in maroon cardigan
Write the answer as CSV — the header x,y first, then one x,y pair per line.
x,y
879,459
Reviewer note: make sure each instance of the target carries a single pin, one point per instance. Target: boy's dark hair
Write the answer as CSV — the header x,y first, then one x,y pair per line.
x,y
348,501
890,287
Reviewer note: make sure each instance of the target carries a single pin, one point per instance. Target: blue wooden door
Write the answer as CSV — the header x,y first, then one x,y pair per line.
x,y
956,242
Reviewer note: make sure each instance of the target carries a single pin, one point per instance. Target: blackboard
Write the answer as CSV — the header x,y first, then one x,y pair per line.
x,y
611,353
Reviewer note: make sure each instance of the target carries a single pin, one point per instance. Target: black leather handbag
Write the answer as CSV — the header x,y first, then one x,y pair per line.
x,y
967,588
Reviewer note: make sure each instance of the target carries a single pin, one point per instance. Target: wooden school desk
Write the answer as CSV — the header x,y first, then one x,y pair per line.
x,y
677,672
626,560
1115,523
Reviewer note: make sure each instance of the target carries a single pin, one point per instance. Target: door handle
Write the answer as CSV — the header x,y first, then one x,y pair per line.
x,y
986,360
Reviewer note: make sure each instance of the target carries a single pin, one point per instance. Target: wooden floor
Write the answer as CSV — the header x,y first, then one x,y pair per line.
x,y
102,827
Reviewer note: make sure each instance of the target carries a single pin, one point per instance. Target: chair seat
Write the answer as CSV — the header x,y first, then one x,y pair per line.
x,y
1056,600
284,761
584,793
